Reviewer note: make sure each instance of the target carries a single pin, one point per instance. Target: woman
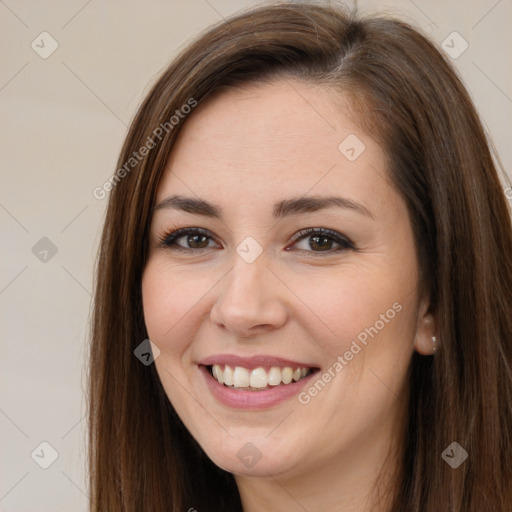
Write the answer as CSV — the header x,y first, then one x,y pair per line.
x,y
308,225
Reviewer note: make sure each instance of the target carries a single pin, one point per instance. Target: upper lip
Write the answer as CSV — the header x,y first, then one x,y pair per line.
x,y
253,361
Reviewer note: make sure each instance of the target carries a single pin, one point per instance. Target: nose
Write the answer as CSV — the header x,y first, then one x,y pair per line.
x,y
249,300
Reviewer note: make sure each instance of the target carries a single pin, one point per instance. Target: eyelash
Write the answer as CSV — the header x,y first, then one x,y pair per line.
x,y
168,239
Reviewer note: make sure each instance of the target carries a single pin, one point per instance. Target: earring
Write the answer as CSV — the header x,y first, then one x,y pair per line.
x,y
434,343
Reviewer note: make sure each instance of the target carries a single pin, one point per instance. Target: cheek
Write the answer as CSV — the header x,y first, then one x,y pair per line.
x,y
366,314
346,301
166,302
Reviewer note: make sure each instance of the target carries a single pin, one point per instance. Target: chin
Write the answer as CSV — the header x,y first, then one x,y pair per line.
x,y
254,455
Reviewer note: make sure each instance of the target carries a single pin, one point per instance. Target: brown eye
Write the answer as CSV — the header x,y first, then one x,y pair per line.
x,y
186,239
321,240
196,241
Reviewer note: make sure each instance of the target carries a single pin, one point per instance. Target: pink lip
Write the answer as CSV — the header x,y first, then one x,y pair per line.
x,y
253,400
253,361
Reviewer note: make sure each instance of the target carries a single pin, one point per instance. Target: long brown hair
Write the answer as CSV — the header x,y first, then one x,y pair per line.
x,y
141,457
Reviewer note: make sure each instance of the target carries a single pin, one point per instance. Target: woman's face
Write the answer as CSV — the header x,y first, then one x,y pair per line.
x,y
253,168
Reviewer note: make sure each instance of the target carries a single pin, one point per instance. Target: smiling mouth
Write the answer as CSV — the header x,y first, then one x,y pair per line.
x,y
257,379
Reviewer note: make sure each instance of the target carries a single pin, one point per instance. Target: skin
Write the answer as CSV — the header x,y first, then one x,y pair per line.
x,y
302,303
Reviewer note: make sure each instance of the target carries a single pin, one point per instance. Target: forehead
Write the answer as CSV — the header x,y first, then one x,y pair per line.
x,y
273,140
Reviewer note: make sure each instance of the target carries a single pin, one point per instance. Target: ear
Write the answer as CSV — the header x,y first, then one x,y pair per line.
x,y
425,329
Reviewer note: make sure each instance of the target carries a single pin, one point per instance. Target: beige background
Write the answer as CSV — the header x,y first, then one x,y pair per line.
x,y
63,122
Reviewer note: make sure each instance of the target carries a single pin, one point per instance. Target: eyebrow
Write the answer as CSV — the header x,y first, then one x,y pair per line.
x,y
281,209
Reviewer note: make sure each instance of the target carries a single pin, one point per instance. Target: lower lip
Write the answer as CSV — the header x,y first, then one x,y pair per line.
x,y
252,399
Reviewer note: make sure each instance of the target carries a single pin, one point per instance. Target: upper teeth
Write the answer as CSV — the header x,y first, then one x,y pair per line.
x,y
240,377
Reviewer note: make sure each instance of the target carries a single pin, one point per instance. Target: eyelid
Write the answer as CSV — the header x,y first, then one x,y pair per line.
x,y
174,234
342,240
169,237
